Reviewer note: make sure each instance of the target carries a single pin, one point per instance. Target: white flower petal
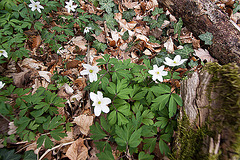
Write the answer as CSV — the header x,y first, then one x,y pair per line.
x,y
106,101
92,77
84,72
93,96
164,73
100,95
177,58
97,111
105,109
151,72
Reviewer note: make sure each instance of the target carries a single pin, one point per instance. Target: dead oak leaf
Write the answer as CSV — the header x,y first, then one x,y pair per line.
x,y
77,150
84,122
204,54
22,79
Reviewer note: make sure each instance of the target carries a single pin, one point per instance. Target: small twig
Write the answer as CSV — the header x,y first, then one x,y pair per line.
x,y
60,145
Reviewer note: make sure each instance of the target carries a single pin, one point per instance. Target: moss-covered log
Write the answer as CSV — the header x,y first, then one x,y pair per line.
x,y
211,101
201,16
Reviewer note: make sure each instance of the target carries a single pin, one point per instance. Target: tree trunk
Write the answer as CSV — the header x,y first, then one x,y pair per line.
x,y
201,16
212,100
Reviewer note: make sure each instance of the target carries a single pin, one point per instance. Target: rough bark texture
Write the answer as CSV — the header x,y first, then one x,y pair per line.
x,y
201,16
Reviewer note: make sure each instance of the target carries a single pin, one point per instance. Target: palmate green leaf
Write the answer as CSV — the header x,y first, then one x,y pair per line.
x,y
121,119
123,135
140,95
160,89
121,84
104,124
150,144
111,22
178,26
149,131
29,155
145,156
112,88
125,109
99,46
9,154
236,7
147,117
207,38
112,117
123,94
177,99
164,149
176,75
135,139
172,107
106,155
48,143
166,137
162,122
97,132
160,101
106,5
58,134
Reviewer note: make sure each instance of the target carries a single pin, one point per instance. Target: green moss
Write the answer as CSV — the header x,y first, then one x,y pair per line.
x,y
189,141
226,121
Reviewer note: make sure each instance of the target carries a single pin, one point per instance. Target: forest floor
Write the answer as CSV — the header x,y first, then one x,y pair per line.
x,y
57,42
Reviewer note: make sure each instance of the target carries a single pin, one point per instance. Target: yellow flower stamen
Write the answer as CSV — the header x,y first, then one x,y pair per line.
x,y
91,71
99,102
1,51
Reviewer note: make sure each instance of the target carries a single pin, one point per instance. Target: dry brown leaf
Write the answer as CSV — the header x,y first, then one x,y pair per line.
x,y
23,78
81,83
73,64
129,4
169,45
68,89
84,122
151,5
31,63
76,97
204,54
36,41
45,74
80,42
147,52
77,150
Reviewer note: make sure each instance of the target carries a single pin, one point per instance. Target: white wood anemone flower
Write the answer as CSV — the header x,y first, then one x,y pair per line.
x,y
86,30
175,62
91,71
70,6
35,5
100,103
3,53
158,73
1,84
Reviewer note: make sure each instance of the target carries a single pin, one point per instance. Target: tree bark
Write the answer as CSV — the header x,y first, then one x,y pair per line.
x,y
201,16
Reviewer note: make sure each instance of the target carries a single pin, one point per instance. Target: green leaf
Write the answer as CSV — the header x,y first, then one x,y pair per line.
x,y
112,118
38,25
178,26
29,155
147,117
125,109
112,88
207,38
121,119
122,134
106,5
150,144
48,143
172,107
106,155
111,22
99,46
104,124
145,156
8,154
135,139
157,11
176,75
166,137
97,132
128,15
161,101
163,121
184,53
125,35
236,7
160,89
140,95
164,149
177,99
